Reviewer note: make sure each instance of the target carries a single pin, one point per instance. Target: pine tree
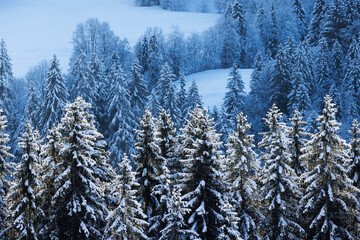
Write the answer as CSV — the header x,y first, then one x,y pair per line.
x,y
5,172
32,106
193,99
300,19
279,190
317,22
328,204
55,100
166,91
182,96
323,74
260,23
25,211
280,81
229,229
297,137
354,154
175,226
337,57
121,118
241,168
153,104
235,96
137,88
272,45
238,14
127,220
84,83
78,202
149,165
201,185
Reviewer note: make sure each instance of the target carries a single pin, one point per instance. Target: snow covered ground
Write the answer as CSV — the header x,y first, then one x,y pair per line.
x,y
35,30
212,84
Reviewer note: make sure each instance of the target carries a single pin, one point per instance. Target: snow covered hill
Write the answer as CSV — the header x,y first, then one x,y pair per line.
x,y
212,84
35,30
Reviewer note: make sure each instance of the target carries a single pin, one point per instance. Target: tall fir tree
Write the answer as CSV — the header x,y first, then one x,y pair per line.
x,y
193,99
354,155
328,205
149,165
32,106
5,173
272,45
153,104
323,74
278,191
55,100
201,185
138,90
182,96
300,19
127,220
235,96
78,203
317,22
242,165
25,211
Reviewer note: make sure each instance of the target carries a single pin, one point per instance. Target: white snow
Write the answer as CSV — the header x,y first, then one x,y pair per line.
x,y
212,84
35,30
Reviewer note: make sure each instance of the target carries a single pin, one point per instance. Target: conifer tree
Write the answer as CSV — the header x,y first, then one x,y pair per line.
x,y
297,137
272,45
127,220
354,154
78,203
153,104
279,190
121,118
229,229
201,184
25,211
174,219
300,19
55,100
323,74
337,59
137,88
149,165
242,165
5,172
166,91
32,106
317,22
193,99
235,96
182,96
328,205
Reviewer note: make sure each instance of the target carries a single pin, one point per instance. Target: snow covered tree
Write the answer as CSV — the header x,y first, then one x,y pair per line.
x,y
354,154
297,137
166,92
337,56
121,118
279,190
317,22
137,87
323,73
78,203
272,45
182,96
175,45
153,104
55,100
149,165
201,182
241,167
229,229
235,96
193,99
25,211
127,220
280,81
175,226
32,106
300,19
5,172
84,83
328,205
301,82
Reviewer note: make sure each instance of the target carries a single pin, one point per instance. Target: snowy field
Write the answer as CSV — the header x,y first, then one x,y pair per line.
x,y
35,30
212,84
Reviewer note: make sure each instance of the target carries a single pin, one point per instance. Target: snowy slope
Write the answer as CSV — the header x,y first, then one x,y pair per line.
x,y
35,30
212,84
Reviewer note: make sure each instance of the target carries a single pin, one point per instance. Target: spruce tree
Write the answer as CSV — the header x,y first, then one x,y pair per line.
x,y
328,205
317,22
279,189
78,203
272,45
201,184
241,166
235,96
137,88
25,212
153,104
149,165
32,106
55,100
323,74
300,19
297,137
5,173
229,229
182,96
127,220
193,99
354,155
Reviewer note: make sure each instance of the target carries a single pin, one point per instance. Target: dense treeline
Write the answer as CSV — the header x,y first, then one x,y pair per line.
x,y
134,156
